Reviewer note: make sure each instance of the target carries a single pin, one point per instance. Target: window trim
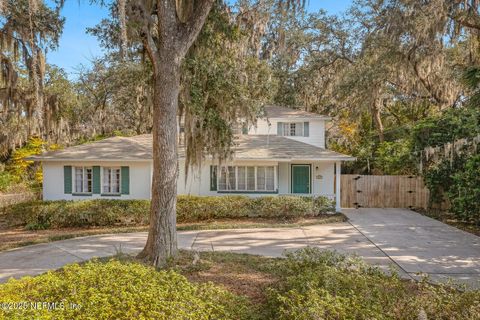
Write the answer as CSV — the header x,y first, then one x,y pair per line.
x,y
246,190
287,127
119,182
74,181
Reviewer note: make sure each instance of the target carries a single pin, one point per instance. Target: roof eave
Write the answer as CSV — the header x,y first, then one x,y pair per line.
x,y
40,159
290,118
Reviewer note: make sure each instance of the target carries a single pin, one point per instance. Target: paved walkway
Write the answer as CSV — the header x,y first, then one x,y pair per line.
x,y
400,238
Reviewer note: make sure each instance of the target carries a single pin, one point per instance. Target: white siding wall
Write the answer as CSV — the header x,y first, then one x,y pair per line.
x,y
284,177
198,182
316,130
140,180
322,177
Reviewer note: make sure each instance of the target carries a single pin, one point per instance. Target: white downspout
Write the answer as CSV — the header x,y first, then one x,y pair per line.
x,y
338,171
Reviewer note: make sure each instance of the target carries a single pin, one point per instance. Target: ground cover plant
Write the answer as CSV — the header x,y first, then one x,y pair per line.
x,y
306,284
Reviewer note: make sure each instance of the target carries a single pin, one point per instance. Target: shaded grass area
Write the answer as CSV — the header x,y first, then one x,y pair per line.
x,y
246,223
242,274
450,219
18,237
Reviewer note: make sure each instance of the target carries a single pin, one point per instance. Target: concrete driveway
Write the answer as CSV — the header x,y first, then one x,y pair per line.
x,y
418,244
396,238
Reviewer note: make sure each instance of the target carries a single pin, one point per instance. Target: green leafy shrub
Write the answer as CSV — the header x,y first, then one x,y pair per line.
x,y
6,181
198,208
464,194
60,214
288,206
438,179
395,157
317,284
456,182
453,181
116,290
102,212
453,124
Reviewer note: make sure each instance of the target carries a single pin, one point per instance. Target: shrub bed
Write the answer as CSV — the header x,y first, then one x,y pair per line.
x,y
317,284
309,284
102,212
116,290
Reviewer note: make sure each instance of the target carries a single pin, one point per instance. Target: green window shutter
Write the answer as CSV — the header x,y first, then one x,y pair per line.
x,y
306,129
213,178
279,128
96,180
125,177
67,179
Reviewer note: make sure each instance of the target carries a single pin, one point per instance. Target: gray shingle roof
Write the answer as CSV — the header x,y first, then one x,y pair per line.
x,y
265,147
115,148
273,111
138,148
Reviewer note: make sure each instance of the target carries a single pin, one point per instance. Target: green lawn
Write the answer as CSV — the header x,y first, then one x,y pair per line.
x,y
13,237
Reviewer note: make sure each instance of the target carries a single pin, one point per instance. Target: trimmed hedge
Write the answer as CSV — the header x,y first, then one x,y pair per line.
x,y
116,290
102,212
317,284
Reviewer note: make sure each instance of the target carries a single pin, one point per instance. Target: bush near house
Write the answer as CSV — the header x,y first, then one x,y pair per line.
x,y
101,212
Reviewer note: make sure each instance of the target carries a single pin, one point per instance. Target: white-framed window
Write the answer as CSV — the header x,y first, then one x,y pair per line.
x,y
246,178
111,180
293,129
83,179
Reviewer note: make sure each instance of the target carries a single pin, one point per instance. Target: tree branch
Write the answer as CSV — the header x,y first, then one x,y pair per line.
x,y
139,12
192,28
462,21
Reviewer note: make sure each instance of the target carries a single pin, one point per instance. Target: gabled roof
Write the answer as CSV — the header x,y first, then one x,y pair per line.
x,y
274,111
139,148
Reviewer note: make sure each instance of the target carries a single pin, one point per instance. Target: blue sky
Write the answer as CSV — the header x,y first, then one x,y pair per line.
x,y
76,47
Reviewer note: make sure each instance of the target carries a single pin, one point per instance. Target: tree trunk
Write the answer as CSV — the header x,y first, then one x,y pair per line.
x,y
166,50
377,118
162,236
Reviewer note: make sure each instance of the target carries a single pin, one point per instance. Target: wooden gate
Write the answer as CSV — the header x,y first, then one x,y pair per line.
x,y
359,191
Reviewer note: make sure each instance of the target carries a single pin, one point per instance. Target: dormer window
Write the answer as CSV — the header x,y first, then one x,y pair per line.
x,y
293,129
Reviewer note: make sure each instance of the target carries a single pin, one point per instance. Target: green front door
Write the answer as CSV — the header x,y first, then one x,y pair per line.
x,y
300,178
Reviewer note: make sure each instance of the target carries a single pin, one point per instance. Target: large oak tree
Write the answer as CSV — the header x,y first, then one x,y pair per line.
x,y
167,29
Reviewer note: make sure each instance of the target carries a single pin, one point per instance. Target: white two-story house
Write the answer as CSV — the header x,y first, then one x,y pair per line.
x,y
284,153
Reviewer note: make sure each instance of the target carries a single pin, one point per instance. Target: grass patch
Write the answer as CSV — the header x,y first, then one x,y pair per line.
x,y
307,284
247,223
19,237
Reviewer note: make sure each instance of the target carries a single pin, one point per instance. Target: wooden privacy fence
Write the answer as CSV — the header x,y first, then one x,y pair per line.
x,y
359,191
